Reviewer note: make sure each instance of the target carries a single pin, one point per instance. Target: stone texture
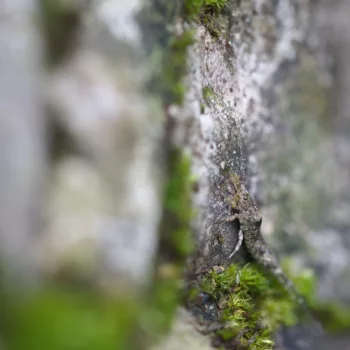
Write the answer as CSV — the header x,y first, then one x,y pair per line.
x,y
261,101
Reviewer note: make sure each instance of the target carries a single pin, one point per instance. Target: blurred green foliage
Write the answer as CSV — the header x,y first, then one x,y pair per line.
x,y
177,203
334,316
176,242
61,318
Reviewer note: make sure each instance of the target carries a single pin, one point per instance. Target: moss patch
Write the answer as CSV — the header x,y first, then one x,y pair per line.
x,y
195,8
207,93
207,13
250,306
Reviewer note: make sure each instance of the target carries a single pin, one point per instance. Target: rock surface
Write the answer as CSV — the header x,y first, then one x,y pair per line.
x,y
263,101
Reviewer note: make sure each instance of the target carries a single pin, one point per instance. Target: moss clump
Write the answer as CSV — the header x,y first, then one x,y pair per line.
x,y
251,306
207,93
207,13
195,8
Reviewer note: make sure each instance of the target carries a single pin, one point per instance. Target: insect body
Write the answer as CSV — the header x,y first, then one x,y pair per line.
x,y
249,216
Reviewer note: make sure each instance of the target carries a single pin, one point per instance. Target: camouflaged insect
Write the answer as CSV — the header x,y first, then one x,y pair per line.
x,y
249,216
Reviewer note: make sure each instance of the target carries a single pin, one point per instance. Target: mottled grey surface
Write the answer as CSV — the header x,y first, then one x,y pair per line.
x,y
267,99
104,202
265,102
22,135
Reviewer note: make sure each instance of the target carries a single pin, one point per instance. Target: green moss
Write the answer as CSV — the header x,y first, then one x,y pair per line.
x,y
252,305
207,93
194,8
207,13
